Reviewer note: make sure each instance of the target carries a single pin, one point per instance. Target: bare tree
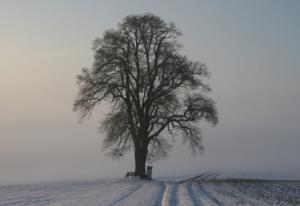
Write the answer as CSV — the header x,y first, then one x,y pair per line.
x,y
152,88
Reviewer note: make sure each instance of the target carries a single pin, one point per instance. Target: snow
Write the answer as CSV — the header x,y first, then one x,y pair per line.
x,y
136,192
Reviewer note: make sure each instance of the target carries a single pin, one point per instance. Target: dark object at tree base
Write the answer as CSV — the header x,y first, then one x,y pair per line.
x,y
132,174
129,174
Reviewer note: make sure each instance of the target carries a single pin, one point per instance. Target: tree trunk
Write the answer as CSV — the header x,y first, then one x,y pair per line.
x,y
140,155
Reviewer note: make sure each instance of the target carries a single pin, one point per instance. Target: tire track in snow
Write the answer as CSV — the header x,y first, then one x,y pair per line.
x,y
159,200
149,194
187,197
194,195
205,197
123,197
170,195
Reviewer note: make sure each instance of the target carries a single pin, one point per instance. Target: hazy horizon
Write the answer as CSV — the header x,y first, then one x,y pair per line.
x,y
250,47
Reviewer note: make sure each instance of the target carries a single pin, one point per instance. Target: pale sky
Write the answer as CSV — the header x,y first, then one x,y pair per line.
x,y
252,49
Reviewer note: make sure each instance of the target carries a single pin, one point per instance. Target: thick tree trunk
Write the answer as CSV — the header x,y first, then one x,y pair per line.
x,y
140,155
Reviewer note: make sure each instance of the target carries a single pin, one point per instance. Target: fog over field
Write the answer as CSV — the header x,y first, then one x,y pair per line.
x,y
250,47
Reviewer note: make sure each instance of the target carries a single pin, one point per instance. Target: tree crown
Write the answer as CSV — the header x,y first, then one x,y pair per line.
x,y
152,87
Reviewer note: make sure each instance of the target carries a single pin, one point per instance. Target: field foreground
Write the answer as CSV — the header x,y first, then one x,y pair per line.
x,y
133,192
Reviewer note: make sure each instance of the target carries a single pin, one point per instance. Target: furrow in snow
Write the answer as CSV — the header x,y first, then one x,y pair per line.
x,y
148,194
186,197
170,194
231,195
204,196
159,199
126,195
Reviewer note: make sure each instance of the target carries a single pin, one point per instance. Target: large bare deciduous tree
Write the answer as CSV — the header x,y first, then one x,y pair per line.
x,y
153,90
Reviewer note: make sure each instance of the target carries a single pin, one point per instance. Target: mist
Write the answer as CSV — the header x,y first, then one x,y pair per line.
x,y
250,47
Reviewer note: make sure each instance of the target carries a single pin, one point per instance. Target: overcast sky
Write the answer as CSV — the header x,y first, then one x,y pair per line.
x,y
252,49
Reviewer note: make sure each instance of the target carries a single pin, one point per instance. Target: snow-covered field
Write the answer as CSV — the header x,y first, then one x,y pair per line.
x,y
133,192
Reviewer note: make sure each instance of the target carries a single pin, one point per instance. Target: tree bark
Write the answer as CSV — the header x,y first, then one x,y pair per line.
x,y
140,155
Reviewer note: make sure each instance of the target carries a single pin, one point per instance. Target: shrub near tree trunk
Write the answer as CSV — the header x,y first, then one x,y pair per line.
x,y
152,88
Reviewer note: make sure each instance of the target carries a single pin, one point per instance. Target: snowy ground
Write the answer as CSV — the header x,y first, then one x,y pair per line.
x,y
133,192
